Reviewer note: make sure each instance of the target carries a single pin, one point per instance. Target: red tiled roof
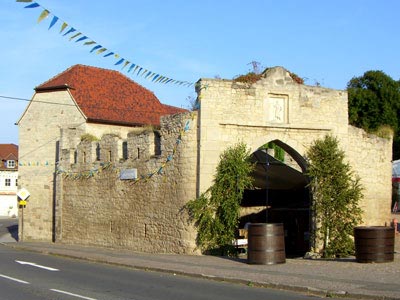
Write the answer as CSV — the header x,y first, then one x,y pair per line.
x,y
8,152
107,96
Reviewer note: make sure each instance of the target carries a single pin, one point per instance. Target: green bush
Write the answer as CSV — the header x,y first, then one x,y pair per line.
x,y
336,192
216,211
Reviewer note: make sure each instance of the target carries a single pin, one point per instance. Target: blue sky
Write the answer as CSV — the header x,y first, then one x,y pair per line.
x,y
328,42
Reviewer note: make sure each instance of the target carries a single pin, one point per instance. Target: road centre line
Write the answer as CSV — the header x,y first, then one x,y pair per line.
x,y
14,279
71,294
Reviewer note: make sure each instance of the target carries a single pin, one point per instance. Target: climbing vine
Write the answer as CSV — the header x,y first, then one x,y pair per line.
x,y
216,211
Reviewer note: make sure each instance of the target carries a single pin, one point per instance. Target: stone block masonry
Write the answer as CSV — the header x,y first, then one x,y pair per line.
x,y
146,214
276,108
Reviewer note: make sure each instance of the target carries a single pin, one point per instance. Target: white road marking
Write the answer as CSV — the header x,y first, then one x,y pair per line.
x,y
71,294
14,279
36,265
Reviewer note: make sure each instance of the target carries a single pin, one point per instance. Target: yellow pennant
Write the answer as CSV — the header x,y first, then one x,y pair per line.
x,y
63,26
43,15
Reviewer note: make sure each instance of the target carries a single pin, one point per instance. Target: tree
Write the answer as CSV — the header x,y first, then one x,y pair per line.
x,y
336,193
216,212
374,101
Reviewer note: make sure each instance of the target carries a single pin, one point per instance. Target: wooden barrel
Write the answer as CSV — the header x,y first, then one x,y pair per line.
x,y
266,244
374,244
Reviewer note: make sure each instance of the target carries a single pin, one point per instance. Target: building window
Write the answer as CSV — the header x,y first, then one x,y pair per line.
x,y
8,182
10,164
16,182
98,152
125,150
157,143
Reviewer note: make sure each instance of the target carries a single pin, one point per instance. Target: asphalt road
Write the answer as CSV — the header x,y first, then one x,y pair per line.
x,y
25,275
9,228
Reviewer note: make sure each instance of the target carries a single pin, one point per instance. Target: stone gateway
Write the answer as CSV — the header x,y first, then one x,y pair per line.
x,y
176,160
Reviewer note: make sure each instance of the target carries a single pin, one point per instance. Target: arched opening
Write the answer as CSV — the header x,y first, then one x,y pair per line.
x,y
280,195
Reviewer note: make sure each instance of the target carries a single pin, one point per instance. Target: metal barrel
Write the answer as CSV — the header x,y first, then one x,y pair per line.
x,y
266,244
374,244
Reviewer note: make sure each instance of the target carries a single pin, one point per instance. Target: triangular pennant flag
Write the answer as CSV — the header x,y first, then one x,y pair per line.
x,y
43,15
155,77
63,26
74,36
144,72
81,39
33,5
131,67
95,48
160,78
126,63
140,70
119,62
148,74
89,43
53,22
101,50
69,31
108,54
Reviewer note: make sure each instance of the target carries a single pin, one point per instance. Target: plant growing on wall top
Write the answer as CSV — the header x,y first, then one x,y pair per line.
x,y
255,75
336,194
87,137
216,212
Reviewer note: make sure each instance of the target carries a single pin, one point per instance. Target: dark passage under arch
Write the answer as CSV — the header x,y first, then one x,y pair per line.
x,y
280,195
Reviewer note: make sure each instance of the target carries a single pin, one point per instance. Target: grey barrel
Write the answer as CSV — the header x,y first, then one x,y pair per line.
x,y
374,244
266,244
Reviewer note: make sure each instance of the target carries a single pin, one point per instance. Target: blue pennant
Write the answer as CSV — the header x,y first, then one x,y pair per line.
x,y
33,5
53,22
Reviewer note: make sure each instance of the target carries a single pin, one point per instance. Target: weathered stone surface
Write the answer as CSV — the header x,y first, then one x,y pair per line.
x,y
277,108
144,215
101,209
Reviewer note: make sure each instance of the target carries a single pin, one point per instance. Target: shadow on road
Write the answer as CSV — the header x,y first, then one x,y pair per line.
x,y
13,230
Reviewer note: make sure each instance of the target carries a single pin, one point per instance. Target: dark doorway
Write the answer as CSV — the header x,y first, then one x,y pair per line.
x,y
280,195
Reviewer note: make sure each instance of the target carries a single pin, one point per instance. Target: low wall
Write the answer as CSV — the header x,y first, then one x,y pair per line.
x,y
96,207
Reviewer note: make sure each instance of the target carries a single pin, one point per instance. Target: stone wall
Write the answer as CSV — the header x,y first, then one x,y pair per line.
x,y
278,108
39,131
40,126
96,207
370,156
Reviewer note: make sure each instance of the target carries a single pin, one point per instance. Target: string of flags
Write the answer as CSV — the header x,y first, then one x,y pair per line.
x,y
35,164
109,166
68,31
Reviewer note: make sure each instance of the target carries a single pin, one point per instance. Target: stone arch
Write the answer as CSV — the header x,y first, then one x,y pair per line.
x,y
280,195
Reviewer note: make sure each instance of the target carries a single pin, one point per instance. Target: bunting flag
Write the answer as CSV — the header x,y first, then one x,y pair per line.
x,y
78,37
109,166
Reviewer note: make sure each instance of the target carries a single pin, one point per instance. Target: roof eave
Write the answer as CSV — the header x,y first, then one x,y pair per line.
x,y
52,88
121,123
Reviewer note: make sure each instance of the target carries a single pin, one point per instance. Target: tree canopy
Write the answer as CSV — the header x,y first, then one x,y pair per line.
x,y
374,101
